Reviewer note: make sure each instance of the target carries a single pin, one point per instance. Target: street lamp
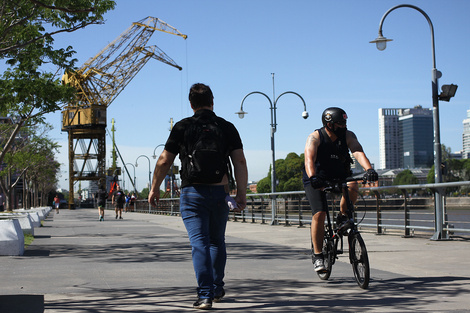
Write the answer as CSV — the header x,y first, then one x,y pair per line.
x,y
154,155
273,108
133,182
150,171
448,91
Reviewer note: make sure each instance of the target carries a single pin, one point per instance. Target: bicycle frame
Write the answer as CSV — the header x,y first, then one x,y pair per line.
x,y
334,237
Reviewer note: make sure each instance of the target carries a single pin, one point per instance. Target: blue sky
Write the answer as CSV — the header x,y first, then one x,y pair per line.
x,y
319,49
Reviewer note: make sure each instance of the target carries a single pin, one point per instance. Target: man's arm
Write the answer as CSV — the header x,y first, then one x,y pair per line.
x,y
241,176
356,149
310,153
161,170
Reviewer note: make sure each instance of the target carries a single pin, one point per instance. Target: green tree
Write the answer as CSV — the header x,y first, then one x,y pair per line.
x,y
27,27
288,175
31,160
405,177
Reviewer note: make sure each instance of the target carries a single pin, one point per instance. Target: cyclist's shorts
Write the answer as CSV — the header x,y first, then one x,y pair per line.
x,y
316,199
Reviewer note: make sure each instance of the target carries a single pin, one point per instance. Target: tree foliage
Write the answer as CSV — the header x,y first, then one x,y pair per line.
x,y
30,161
288,175
405,177
27,27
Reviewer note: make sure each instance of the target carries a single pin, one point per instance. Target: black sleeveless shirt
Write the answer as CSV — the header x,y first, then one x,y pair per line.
x,y
333,159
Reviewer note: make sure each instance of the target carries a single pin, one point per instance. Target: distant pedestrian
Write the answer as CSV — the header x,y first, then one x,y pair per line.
x,y
2,203
205,185
128,199
57,203
132,202
101,195
119,197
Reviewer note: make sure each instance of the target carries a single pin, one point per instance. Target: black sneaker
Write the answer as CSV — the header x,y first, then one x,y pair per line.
x,y
218,297
203,304
341,220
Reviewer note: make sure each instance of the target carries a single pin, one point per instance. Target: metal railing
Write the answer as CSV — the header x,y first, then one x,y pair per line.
x,y
406,214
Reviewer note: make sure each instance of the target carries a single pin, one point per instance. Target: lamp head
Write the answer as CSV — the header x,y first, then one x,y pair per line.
x,y
448,91
154,156
381,42
241,113
136,165
305,114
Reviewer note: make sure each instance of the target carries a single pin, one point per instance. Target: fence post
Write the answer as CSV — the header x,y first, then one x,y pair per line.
x,y
301,224
286,211
252,210
407,213
379,213
262,210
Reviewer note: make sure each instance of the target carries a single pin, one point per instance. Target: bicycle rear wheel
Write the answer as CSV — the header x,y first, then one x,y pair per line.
x,y
359,260
329,255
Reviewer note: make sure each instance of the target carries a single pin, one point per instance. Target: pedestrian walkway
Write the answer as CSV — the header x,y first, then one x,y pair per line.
x,y
143,264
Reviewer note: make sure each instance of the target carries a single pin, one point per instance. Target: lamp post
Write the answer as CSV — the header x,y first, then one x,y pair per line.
x,y
150,171
154,156
448,92
133,182
273,108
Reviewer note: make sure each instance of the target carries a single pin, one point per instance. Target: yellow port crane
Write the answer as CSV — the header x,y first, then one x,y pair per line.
x,y
98,82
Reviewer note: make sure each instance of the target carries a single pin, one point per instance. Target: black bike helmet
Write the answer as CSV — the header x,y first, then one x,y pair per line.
x,y
334,115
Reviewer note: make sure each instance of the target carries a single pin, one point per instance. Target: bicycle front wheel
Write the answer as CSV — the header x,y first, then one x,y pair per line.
x,y
329,255
359,260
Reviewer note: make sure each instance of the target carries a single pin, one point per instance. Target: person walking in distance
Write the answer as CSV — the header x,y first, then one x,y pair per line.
x,y
206,145
327,157
56,203
101,195
118,199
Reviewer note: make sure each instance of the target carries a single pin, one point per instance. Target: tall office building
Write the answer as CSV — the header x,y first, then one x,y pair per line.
x,y
417,137
466,137
405,138
389,138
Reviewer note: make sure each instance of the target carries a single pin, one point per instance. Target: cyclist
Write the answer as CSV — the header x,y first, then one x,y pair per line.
x,y
327,157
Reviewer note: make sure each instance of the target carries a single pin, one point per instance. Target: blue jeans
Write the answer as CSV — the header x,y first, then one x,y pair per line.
x,y
205,214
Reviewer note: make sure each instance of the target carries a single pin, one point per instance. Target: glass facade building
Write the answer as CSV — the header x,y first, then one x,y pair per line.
x,y
406,138
417,137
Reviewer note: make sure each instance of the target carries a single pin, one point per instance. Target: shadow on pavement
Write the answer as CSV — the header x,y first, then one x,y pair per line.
x,y
401,294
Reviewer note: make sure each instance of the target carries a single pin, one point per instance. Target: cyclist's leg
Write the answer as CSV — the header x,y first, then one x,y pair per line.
x,y
353,190
318,231
318,205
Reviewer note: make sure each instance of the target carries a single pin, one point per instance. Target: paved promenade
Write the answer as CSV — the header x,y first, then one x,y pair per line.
x,y
143,264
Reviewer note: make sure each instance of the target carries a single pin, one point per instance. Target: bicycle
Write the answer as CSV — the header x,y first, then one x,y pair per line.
x,y
334,236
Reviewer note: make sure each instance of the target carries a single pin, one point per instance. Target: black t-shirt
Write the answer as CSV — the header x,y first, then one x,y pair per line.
x,y
119,196
101,196
176,140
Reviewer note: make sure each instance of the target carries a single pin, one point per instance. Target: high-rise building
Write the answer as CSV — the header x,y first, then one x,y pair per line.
x,y
389,139
417,137
466,137
405,138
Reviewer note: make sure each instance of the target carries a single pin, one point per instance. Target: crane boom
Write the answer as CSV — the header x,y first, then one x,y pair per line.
x,y
98,82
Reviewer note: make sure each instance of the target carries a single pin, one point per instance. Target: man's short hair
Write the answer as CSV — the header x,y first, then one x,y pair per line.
x,y
200,96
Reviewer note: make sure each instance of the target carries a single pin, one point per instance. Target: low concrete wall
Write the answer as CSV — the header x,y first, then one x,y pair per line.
x,y
35,219
11,237
25,220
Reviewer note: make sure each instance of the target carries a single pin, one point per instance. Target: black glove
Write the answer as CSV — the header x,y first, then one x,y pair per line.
x,y
371,175
317,182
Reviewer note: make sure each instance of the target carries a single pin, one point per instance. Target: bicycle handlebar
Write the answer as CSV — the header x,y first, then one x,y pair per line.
x,y
335,185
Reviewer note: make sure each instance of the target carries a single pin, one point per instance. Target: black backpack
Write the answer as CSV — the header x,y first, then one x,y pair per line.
x,y
206,153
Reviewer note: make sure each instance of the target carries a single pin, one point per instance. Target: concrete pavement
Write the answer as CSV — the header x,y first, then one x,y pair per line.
x,y
143,264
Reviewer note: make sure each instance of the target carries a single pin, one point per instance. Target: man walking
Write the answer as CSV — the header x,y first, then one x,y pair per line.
x,y
119,197
206,144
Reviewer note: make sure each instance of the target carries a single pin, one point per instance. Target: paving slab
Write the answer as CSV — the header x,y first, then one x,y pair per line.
x,y
143,264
